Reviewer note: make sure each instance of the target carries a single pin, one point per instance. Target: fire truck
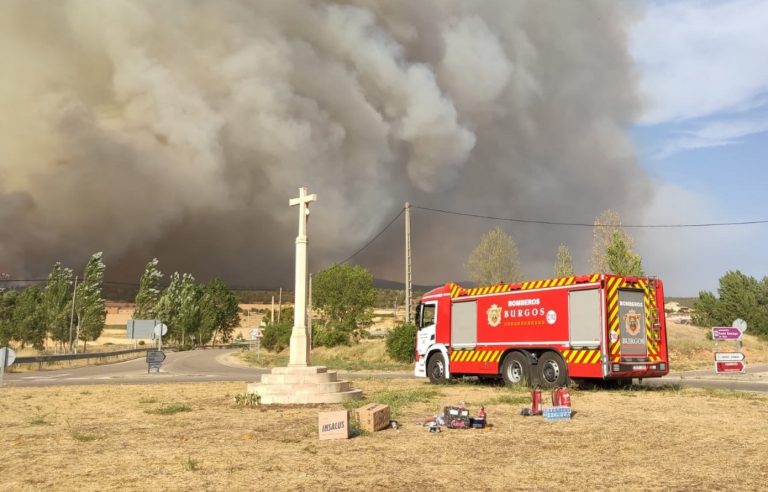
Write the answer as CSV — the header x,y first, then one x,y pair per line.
x,y
586,328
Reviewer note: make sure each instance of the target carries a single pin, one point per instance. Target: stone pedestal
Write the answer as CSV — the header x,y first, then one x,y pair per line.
x,y
309,384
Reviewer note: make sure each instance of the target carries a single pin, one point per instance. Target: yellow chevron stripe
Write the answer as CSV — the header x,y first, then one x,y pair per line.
x,y
595,278
498,356
596,358
615,348
580,356
489,355
566,354
476,355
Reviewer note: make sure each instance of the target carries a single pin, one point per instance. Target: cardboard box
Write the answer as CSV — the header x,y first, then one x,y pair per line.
x,y
333,425
373,417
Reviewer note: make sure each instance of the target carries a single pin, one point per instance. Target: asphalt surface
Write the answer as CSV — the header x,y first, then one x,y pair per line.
x,y
216,365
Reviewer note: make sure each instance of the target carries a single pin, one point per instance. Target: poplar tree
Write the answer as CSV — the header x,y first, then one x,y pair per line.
x,y
56,303
620,259
148,296
495,259
89,303
606,224
28,320
564,262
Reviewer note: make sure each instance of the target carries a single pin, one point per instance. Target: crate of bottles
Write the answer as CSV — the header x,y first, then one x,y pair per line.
x,y
557,413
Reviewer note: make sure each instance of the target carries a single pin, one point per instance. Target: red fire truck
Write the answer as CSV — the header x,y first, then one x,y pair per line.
x,y
589,327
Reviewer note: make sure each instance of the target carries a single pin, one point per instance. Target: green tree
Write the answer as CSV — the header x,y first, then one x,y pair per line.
x,y
90,309
739,296
28,320
495,259
606,224
7,307
57,303
149,292
167,309
219,312
344,297
621,259
564,262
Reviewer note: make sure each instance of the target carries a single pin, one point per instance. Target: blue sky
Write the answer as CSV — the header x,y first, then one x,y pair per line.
x,y
703,135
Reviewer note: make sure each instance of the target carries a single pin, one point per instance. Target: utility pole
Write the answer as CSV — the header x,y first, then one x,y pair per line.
x,y
408,301
272,319
280,305
72,315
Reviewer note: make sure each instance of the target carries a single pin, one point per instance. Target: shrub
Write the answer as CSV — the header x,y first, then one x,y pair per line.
x,y
277,336
328,337
401,342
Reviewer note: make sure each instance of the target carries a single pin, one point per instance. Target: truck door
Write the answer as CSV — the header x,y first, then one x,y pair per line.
x,y
464,325
585,318
632,324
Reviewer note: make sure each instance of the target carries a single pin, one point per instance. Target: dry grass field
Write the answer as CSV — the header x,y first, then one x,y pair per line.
x,y
193,437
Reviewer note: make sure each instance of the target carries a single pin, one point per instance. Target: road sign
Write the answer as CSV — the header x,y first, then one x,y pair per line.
x,y
726,333
7,356
255,333
740,324
730,367
729,356
155,359
160,330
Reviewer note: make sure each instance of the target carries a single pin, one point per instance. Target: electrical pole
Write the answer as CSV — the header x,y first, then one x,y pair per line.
x,y
272,319
280,305
408,301
72,315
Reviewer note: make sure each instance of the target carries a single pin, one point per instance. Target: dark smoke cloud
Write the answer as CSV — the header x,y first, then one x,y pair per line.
x,y
180,129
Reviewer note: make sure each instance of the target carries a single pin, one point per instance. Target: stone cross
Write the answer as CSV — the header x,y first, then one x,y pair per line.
x,y
299,347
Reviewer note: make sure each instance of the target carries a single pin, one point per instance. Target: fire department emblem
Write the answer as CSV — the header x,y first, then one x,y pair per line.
x,y
632,322
494,315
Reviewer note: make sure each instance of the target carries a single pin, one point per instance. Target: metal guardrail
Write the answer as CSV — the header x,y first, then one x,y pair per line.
x,y
45,359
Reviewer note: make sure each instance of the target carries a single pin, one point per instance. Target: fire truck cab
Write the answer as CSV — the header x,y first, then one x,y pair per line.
x,y
598,327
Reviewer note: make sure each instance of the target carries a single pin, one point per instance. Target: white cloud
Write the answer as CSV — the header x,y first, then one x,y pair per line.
x,y
702,58
715,134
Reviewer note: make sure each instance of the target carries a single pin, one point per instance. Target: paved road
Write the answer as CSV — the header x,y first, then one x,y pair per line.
x,y
214,365
178,367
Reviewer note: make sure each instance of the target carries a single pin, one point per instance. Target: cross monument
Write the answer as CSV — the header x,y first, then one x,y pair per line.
x,y
299,347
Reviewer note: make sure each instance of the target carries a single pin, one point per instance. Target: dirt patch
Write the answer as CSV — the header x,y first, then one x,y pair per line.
x,y
116,438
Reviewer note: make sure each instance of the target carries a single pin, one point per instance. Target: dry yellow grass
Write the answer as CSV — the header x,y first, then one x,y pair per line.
x,y
102,438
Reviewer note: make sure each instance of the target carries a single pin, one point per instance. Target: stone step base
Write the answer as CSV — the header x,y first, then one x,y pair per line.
x,y
300,378
312,384
300,389
306,399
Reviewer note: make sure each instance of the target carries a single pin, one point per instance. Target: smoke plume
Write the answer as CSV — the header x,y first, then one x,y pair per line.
x,y
180,129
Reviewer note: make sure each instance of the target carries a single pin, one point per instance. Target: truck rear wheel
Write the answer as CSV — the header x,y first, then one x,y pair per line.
x,y
436,369
516,370
552,370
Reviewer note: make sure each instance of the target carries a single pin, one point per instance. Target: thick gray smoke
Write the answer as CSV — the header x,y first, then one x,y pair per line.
x,y
180,129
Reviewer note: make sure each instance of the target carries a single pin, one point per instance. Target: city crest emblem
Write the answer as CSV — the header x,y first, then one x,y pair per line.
x,y
632,322
494,315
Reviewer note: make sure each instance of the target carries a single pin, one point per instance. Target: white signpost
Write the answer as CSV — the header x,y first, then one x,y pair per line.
x,y
730,362
7,357
159,332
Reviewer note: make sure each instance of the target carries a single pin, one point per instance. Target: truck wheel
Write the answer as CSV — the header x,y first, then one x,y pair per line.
x,y
516,370
552,370
436,369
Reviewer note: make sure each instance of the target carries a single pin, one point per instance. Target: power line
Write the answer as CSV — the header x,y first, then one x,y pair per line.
x,y
581,224
374,237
